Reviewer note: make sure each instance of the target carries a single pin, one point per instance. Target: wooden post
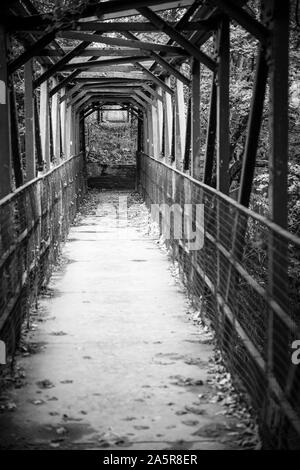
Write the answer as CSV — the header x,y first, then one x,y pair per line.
x,y
150,133
180,125
68,131
63,106
45,124
160,123
5,154
279,336
72,132
77,134
196,166
38,141
211,135
168,121
55,124
145,121
15,139
223,147
29,123
155,130
187,147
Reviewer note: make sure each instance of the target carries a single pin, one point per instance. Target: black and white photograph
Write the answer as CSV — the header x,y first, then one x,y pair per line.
x,y
149,230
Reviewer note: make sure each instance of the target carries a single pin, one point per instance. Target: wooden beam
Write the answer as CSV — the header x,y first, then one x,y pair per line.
x,y
74,74
67,79
30,53
63,82
105,62
139,101
63,109
111,100
183,21
68,143
55,121
26,8
223,146
70,92
29,123
278,348
235,12
5,154
143,96
160,123
278,112
126,69
149,46
101,52
162,62
253,129
178,37
211,134
15,138
104,91
113,87
113,26
188,137
117,6
38,140
154,78
152,92
45,124
113,80
168,122
60,63
180,125
105,10
196,167
155,130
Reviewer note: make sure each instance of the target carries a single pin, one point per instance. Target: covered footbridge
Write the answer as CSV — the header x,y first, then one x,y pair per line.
x,y
133,56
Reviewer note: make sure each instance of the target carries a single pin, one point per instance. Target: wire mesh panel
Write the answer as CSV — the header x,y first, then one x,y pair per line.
x,y
33,222
244,276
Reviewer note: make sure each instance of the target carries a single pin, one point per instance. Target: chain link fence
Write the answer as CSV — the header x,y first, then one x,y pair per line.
x,y
34,220
245,279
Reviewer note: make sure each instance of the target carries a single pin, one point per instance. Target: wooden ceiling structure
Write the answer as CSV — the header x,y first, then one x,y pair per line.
x,y
111,64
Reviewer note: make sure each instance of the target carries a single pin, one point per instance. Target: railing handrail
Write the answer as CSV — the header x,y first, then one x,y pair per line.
x,y
18,190
272,225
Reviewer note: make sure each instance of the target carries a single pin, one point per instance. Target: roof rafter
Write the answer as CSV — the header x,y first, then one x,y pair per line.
x,y
33,51
154,78
163,62
58,65
138,26
178,37
237,13
105,62
149,46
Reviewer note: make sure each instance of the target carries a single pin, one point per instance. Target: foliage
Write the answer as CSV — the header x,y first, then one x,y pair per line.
x,y
110,143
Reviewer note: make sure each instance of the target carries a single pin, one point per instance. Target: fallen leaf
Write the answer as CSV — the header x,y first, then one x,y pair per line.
x,y
37,402
46,383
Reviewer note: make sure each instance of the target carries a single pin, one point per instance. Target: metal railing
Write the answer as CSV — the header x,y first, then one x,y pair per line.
x,y
245,279
33,221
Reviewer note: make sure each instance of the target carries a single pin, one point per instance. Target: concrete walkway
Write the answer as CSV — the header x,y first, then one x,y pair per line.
x,y
117,362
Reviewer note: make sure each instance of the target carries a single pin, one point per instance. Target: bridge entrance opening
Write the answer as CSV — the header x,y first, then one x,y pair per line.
x,y
111,145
